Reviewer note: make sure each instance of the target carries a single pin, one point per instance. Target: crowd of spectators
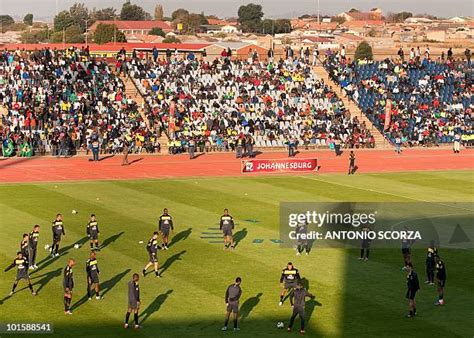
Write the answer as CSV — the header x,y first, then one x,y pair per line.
x,y
221,103
413,100
61,101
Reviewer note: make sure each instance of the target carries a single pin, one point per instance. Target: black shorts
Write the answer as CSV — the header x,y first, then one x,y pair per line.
x,y
94,236
406,251
94,278
133,305
441,283
153,258
165,232
233,307
411,294
57,238
291,285
22,276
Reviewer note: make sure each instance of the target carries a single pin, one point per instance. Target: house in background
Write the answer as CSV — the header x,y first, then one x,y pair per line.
x,y
134,27
373,14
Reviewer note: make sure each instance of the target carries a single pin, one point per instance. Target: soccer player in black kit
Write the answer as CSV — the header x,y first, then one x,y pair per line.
x,y
25,247
413,285
298,302
33,241
58,231
365,246
441,279
165,226
68,284
430,263
302,243
352,165
289,278
93,232
133,301
92,270
232,296
21,264
226,225
152,247
406,250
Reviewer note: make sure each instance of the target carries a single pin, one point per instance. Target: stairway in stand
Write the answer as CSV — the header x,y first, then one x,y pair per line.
x,y
380,141
131,91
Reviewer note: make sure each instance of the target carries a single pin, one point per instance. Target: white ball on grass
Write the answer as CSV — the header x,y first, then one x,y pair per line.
x,y
74,212
76,246
140,242
46,247
280,325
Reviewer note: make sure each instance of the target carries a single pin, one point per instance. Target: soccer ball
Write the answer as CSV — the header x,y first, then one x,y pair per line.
x,y
46,247
280,325
74,212
76,246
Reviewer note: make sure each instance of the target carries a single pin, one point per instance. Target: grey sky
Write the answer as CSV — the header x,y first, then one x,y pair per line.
x,y
45,9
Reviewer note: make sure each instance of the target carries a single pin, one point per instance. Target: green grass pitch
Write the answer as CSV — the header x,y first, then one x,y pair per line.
x,y
352,298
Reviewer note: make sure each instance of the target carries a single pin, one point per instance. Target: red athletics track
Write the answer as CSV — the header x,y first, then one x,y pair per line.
x,y
50,169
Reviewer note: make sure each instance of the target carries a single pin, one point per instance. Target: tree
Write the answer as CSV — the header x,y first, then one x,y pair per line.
x,y
171,39
158,12
62,21
363,51
354,10
72,34
79,15
178,14
203,19
282,26
105,33
250,17
131,12
339,19
398,17
104,14
156,31
5,21
34,36
28,19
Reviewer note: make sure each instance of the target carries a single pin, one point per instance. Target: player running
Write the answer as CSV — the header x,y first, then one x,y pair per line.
x,y
227,226
232,296
68,284
133,301
413,285
441,279
33,241
58,231
289,279
298,302
21,264
152,247
93,232
92,270
430,263
165,226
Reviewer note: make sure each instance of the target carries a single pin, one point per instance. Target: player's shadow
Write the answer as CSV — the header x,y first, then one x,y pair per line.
x,y
62,251
170,261
135,161
111,240
249,305
312,303
108,285
239,236
45,278
180,236
155,305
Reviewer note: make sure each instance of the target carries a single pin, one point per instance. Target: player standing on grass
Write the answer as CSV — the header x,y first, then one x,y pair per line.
x,y
93,232
68,284
152,247
232,296
289,279
413,285
441,278
302,243
365,245
298,302
430,263
406,250
133,301
352,165
21,264
227,226
58,231
25,247
165,226
92,270
34,237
